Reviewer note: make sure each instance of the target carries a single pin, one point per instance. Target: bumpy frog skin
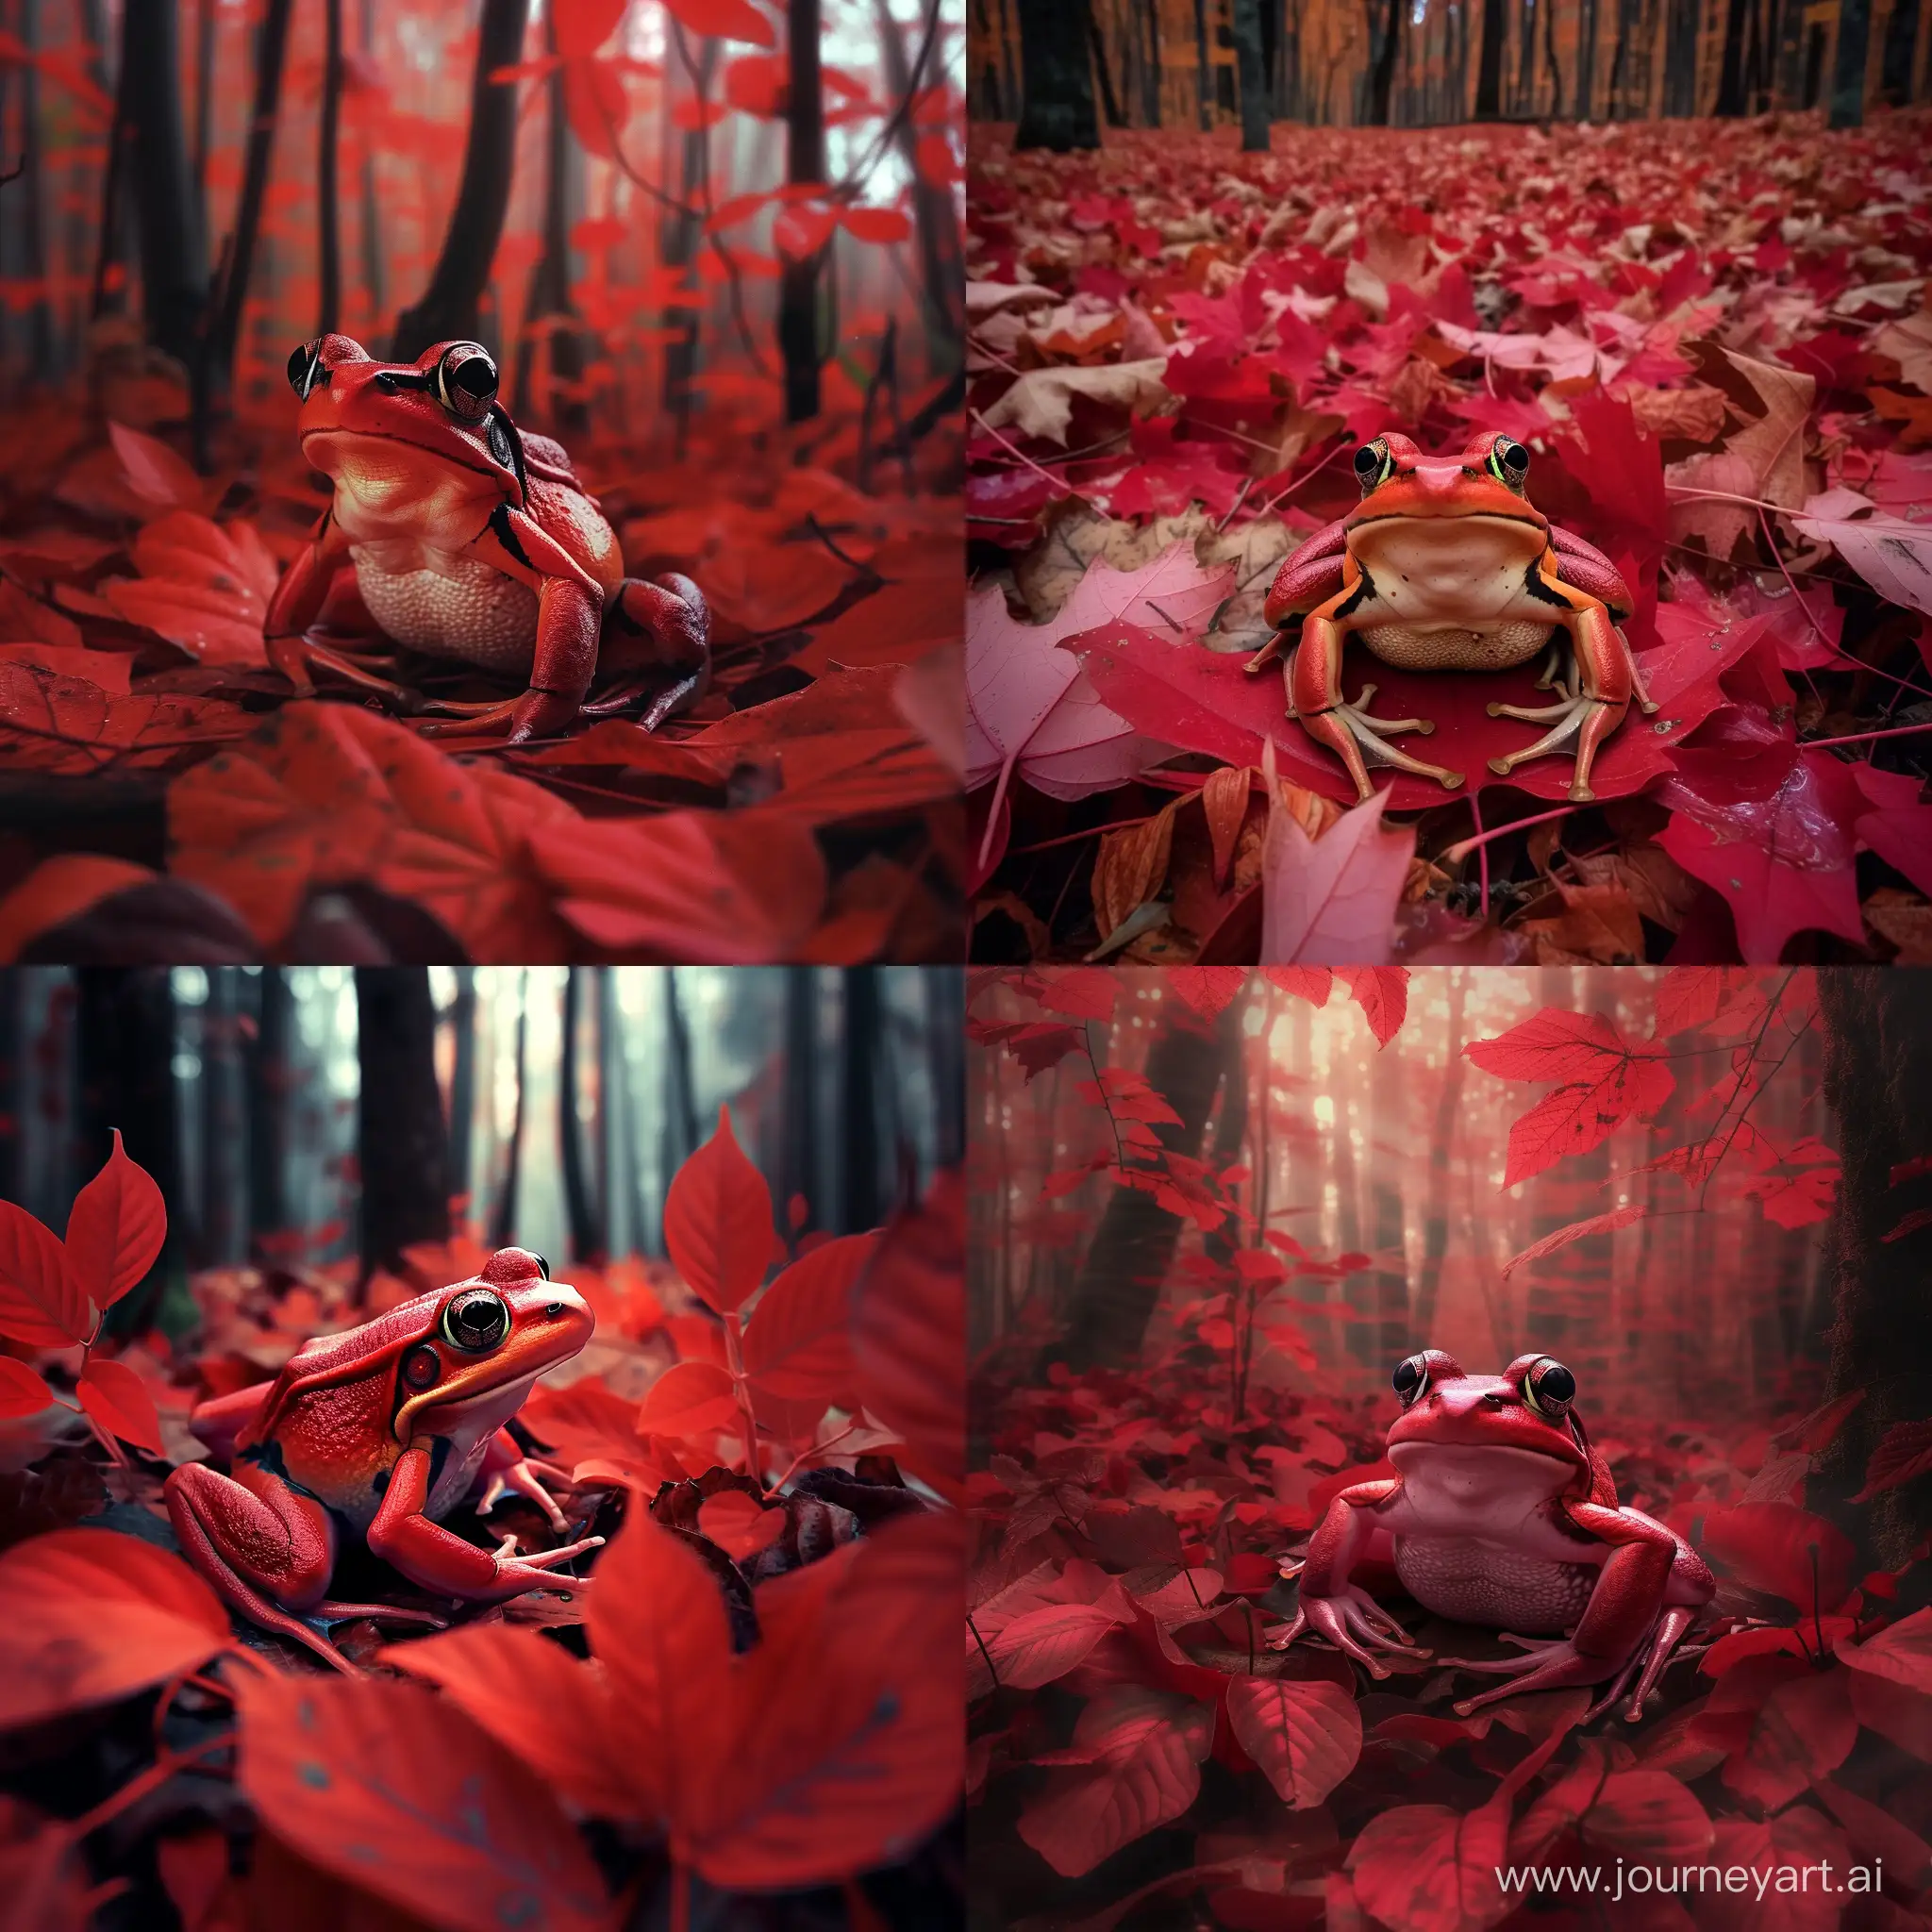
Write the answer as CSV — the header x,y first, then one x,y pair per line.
x,y
376,1433
1501,1514
469,540
1446,565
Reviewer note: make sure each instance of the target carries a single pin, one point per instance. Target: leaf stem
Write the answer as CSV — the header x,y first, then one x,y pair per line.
x,y
1864,737
734,1360
1463,847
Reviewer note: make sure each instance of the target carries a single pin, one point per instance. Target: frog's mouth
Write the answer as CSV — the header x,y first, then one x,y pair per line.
x,y
347,452
1471,1478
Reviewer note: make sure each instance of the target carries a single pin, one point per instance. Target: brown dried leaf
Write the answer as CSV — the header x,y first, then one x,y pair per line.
x,y
1598,926
1131,866
1691,415
1224,800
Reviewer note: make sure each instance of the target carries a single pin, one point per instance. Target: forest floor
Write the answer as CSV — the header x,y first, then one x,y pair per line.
x,y
164,796
1714,338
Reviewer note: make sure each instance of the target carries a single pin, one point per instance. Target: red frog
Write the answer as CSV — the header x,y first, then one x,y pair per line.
x,y
469,539
376,1433
1445,565
1500,1513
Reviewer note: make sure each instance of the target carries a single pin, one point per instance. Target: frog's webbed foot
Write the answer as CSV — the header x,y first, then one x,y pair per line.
x,y
1549,1663
1354,736
524,1478
1356,1624
298,659
1586,719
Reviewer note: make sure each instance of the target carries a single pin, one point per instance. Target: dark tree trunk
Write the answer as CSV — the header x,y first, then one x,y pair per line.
x,y
173,271
1680,60
1387,52
329,245
678,236
1901,43
1057,105
1442,1140
859,1054
1121,1280
945,1012
204,101
462,1084
1385,1340
549,309
1877,1073
1549,59
1152,65
124,1022
1730,81
798,1138
1848,70
401,1142
1203,105
449,309
503,1223
14,1090
1585,59
373,276
1252,67
680,1101
269,1090
1109,100
215,369
110,240
1488,72
586,1238
224,1121
804,162
1524,92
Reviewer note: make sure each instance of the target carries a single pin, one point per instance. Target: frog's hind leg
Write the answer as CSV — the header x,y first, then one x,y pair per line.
x,y
661,625
1597,693
1671,1627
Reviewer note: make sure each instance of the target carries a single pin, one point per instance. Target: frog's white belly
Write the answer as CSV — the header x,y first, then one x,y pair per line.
x,y
1493,1584
448,603
1448,593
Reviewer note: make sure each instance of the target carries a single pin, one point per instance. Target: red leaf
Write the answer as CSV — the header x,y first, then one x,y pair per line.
x,y
94,1616
1577,1231
1142,1752
155,473
875,224
22,1391
118,1399
938,165
1382,993
739,1524
1688,996
1424,1868
724,20
1903,1451
1648,1815
1912,1222
1818,1430
1046,1643
400,1791
1081,992
718,1222
690,1399
1208,988
1304,1736
40,1303
909,1333
1770,1546
584,26
1311,983
596,105
798,1346
799,232
115,1229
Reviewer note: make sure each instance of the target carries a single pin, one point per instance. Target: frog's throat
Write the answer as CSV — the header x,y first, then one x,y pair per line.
x,y
1472,1481
341,443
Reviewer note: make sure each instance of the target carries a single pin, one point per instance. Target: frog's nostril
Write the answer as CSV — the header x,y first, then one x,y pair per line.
x,y
1494,1399
553,1309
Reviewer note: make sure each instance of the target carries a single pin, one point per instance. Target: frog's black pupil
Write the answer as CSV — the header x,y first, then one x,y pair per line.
x,y
1557,1384
301,370
1406,1378
475,377
543,1267
477,1323
1515,457
1367,461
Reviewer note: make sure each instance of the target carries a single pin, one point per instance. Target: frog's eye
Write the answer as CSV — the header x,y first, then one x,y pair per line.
x,y
543,1266
305,367
477,1321
1410,1378
1508,462
1371,464
466,381
1550,1389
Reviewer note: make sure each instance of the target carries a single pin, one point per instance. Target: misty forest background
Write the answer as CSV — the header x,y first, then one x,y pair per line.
x,y
310,1116
1205,64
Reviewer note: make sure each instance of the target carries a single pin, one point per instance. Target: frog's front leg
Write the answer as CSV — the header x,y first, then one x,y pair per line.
x,y
1596,698
267,1551
1328,1603
664,624
1313,678
428,1554
1626,1608
507,1472
297,603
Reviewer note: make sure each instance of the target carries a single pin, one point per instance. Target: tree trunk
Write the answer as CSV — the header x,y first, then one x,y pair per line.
x,y
1252,70
1730,83
463,1087
942,271
328,248
1442,1140
680,1101
401,1142
798,1138
1151,68
374,279
1549,59
805,162
1901,43
587,1239
215,368
173,271
25,198
1109,100
1488,72
13,1086
1848,70
124,1023
678,235
1121,1280
945,992
1585,59
204,101
110,241
860,1045
1202,68
269,1090
503,1223
223,1122
1057,102
449,309
1877,1072
549,314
